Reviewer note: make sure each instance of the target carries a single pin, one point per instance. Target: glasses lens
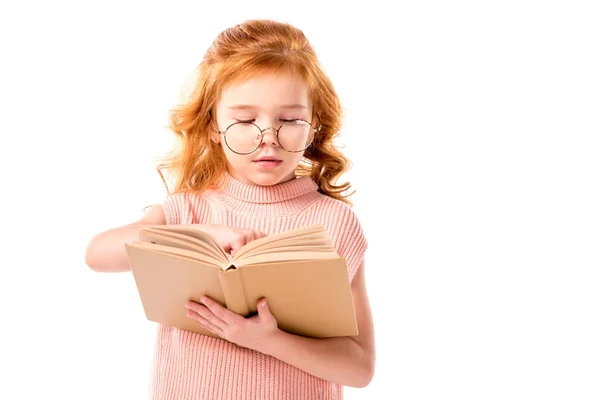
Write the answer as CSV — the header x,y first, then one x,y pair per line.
x,y
243,137
296,135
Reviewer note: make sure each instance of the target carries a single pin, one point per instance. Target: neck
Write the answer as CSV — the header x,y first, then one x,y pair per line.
x,y
240,177
280,192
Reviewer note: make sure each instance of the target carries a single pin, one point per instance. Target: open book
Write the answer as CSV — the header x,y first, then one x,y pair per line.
x,y
298,271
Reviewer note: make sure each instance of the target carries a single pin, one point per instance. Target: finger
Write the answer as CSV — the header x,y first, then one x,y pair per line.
x,y
206,314
264,313
205,323
249,236
254,235
228,248
228,317
237,244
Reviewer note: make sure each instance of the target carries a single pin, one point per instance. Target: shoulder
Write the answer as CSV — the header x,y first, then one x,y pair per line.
x,y
337,211
185,207
153,215
345,230
343,221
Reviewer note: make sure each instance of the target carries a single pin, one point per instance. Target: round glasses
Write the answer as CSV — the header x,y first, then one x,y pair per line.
x,y
245,137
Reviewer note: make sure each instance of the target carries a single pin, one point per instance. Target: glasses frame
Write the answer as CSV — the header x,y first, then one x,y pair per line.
x,y
262,135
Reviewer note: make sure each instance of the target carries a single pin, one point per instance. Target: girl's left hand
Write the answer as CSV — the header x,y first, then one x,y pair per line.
x,y
253,332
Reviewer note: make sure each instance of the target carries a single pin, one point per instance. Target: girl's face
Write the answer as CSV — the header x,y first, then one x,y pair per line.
x,y
266,100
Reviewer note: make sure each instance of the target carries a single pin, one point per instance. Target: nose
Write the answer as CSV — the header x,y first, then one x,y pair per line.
x,y
269,137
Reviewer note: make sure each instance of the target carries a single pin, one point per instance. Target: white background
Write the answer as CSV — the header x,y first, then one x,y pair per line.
x,y
473,128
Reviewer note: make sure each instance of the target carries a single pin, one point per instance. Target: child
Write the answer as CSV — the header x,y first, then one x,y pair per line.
x,y
255,158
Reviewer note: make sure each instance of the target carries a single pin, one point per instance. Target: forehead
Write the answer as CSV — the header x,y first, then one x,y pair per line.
x,y
268,90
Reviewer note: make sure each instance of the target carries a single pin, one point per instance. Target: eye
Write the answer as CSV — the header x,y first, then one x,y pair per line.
x,y
290,120
247,121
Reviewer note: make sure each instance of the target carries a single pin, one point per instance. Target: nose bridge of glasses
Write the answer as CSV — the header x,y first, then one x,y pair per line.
x,y
275,130
265,134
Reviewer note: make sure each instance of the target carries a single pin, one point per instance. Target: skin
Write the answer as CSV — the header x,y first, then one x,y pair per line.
x,y
267,94
349,361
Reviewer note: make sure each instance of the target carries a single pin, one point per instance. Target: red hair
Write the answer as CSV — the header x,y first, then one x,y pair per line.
x,y
238,53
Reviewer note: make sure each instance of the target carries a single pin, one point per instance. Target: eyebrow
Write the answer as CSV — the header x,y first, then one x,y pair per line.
x,y
251,107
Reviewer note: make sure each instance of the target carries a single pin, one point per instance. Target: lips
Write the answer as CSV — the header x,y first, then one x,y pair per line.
x,y
267,159
267,162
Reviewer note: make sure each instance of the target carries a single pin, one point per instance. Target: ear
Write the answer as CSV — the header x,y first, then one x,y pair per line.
x,y
316,122
215,136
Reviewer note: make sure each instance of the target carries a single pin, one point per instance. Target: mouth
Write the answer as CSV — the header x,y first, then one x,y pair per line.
x,y
266,159
267,162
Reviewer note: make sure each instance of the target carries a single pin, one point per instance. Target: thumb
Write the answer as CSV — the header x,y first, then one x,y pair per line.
x,y
264,314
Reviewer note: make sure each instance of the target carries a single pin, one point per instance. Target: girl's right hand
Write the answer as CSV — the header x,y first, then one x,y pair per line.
x,y
230,238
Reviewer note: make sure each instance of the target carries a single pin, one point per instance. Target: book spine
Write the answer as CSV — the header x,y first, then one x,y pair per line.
x,y
235,298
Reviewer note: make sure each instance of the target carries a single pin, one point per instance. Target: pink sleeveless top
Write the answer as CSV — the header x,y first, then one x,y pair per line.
x,y
189,366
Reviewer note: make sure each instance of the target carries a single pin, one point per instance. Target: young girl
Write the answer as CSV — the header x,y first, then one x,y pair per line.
x,y
256,157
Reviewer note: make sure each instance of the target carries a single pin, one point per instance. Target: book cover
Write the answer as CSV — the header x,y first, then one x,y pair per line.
x,y
298,271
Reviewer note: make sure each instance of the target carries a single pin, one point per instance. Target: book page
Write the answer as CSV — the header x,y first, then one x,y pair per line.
x,y
304,243
177,251
280,249
285,256
177,240
180,235
312,235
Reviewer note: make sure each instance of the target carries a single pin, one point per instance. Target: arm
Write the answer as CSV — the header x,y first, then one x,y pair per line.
x,y
348,361
106,251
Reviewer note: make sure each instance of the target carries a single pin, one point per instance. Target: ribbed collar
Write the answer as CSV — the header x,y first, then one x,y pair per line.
x,y
246,192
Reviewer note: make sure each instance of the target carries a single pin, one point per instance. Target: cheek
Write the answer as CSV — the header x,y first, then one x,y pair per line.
x,y
296,157
234,158
292,160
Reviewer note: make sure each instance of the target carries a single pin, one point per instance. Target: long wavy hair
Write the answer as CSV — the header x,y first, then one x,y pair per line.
x,y
254,46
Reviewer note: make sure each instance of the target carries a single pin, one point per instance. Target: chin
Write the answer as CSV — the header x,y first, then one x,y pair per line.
x,y
266,179
269,179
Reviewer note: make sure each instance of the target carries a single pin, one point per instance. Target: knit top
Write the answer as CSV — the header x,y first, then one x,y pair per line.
x,y
188,365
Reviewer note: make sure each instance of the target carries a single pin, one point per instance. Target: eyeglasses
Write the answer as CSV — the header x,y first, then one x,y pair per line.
x,y
245,137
